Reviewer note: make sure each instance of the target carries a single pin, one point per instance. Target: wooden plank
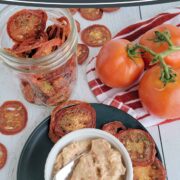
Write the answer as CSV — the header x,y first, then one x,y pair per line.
x,y
170,134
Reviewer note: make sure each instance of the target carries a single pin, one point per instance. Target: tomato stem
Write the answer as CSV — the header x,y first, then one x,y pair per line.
x,y
167,73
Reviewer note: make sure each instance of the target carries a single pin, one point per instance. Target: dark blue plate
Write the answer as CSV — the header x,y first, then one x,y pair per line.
x,y
34,154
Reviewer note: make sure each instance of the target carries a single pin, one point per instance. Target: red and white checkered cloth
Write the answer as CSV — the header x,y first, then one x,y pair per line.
x,y
127,99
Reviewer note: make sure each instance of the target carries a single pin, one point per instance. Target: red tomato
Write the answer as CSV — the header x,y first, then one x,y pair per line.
x,y
160,100
13,117
115,68
3,155
159,47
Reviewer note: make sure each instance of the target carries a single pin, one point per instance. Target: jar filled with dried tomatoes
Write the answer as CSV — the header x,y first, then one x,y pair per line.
x,y
40,45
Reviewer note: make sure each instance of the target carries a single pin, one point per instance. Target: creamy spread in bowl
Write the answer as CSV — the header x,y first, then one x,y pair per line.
x,y
101,161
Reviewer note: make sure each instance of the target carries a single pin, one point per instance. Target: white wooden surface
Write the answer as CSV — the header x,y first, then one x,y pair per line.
x,y
166,136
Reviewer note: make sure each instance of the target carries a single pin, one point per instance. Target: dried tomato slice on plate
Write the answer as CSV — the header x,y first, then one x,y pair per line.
x,y
113,127
70,116
140,146
82,53
13,117
95,35
153,171
3,155
91,13
110,9
26,24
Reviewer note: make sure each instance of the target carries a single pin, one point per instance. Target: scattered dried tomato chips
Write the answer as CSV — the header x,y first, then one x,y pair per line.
x,y
153,171
82,53
113,127
3,155
26,24
70,116
145,153
13,117
95,35
91,13
110,9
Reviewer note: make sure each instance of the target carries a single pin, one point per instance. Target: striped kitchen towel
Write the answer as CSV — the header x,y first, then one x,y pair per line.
x,y
127,99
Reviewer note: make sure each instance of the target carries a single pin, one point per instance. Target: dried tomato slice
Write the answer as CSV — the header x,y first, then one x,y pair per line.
x,y
13,117
73,10
44,86
113,127
29,44
47,47
64,23
153,171
110,9
70,116
82,53
26,24
78,26
91,14
3,155
95,35
28,91
140,146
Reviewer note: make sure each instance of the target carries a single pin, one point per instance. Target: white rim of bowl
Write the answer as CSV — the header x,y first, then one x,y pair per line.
x,y
110,138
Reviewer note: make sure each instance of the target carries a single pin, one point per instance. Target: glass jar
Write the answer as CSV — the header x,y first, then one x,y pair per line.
x,y
48,80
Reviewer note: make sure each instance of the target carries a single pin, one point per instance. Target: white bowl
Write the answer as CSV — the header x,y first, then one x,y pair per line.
x,y
83,134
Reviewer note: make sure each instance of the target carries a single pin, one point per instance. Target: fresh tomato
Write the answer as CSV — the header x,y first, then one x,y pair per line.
x,y
153,171
113,127
140,145
13,117
148,40
115,68
3,155
159,99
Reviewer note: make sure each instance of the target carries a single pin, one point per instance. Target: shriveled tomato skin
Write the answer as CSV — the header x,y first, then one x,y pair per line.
x,y
160,100
113,127
75,110
153,171
115,68
3,155
159,47
140,146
